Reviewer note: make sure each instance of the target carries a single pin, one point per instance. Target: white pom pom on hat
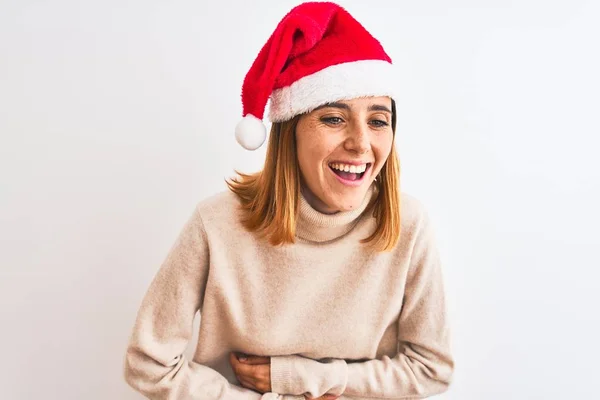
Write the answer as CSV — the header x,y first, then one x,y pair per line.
x,y
250,132
317,54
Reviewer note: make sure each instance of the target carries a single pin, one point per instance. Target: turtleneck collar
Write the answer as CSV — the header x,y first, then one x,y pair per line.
x,y
315,226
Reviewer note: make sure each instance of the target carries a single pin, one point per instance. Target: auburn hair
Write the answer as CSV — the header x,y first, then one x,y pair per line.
x,y
270,197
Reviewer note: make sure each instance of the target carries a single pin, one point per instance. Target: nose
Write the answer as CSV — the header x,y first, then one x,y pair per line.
x,y
358,140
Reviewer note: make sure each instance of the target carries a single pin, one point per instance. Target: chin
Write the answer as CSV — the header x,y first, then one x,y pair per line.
x,y
349,202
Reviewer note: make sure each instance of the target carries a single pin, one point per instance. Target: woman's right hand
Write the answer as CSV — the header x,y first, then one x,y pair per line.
x,y
324,397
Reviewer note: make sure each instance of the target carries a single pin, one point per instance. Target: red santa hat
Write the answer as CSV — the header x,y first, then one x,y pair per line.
x,y
317,54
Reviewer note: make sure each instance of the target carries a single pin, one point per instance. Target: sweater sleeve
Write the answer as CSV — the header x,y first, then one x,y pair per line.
x,y
155,364
423,366
299,375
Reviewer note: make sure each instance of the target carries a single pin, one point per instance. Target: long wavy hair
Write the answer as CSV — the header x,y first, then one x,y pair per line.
x,y
270,197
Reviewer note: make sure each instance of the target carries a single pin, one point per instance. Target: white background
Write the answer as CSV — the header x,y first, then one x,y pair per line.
x,y
117,117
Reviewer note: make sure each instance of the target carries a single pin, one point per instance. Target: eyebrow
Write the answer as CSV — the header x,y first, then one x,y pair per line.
x,y
379,107
335,105
344,106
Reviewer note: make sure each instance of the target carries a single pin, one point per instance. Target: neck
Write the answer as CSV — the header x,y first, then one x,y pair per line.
x,y
316,226
316,203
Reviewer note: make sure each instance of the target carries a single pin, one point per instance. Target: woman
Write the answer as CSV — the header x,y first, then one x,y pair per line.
x,y
315,277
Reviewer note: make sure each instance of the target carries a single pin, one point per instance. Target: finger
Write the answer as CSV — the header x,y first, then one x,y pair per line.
x,y
256,360
248,370
264,377
246,383
261,374
233,360
263,387
240,357
246,373
239,369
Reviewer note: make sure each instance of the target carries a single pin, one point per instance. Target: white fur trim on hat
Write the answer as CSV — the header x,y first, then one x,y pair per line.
x,y
250,132
337,82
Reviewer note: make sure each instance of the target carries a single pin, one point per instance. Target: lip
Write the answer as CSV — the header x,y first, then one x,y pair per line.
x,y
355,183
349,162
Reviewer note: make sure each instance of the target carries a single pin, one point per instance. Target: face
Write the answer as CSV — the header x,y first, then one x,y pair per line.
x,y
341,147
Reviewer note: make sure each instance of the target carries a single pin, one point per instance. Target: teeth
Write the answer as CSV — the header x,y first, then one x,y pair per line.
x,y
356,169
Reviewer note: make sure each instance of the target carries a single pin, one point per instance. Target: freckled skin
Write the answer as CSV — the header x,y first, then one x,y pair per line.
x,y
333,134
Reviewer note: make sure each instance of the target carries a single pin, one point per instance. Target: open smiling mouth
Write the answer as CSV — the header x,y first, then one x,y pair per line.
x,y
349,172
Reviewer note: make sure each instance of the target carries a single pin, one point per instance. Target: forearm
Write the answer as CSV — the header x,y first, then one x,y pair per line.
x,y
297,375
182,379
401,377
422,374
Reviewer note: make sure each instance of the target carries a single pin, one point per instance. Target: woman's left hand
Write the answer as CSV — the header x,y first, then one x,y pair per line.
x,y
253,372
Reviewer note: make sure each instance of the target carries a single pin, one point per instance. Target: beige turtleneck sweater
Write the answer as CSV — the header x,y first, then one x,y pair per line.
x,y
334,316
